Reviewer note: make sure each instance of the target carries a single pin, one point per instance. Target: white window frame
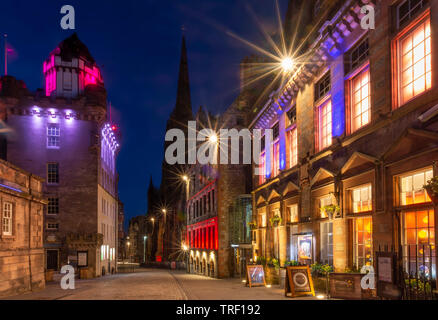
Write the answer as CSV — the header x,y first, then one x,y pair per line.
x,y
427,173
422,3
53,136
360,201
7,218
326,235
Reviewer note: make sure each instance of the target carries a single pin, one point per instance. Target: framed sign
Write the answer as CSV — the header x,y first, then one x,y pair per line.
x,y
386,276
298,282
82,258
255,276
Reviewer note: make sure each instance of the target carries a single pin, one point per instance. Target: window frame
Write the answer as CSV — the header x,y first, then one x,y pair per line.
x,y
350,192
325,237
11,219
55,206
292,146
53,134
318,121
396,60
320,94
358,72
398,188
356,244
424,4
48,173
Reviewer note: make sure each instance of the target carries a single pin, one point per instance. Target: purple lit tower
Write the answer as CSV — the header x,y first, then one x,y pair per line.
x,y
62,134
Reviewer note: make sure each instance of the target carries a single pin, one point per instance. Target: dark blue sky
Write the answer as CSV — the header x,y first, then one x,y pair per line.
x,y
137,44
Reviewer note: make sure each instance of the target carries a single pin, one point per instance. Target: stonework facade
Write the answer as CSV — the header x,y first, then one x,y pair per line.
x,y
356,140
21,231
65,138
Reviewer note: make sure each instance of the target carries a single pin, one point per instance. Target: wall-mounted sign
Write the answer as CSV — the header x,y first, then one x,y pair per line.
x,y
255,276
298,282
82,258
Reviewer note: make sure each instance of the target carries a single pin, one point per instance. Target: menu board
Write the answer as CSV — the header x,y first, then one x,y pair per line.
x,y
255,275
82,258
298,282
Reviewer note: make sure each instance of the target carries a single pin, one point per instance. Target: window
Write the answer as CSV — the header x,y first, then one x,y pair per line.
x,y
7,219
362,242
52,173
262,176
293,147
327,243
414,62
291,117
263,220
418,238
53,206
322,87
358,55
362,199
325,201
407,10
324,126
276,131
276,162
293,213
53,135
52,226
360,104
411,188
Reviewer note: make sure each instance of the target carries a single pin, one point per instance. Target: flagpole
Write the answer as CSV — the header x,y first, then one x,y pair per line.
x,y
6,55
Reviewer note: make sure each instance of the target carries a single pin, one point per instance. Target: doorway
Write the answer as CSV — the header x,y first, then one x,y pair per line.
x,y
52,260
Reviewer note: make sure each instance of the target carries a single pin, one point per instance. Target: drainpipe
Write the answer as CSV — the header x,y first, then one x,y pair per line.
x,y
30,233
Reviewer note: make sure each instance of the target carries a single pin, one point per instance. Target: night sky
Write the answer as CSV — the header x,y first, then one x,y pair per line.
x,y
137,45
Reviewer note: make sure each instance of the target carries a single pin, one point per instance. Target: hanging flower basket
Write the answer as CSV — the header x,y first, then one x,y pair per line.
x,y
331,210
252,225
275,220
432,189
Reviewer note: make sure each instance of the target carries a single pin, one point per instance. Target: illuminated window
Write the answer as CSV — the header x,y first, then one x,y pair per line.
x,y
53,206
325,201
418,239
415,67
53,135
362,242
327,243
262,176
291,117
276,162
411,188
293,213
7,219
360,93
361,199
293,147
263,220
52,173
324,125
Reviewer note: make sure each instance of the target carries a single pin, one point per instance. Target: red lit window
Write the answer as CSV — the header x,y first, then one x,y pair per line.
x,y
276,162
324,126
262,176
360,93
414,61
293,147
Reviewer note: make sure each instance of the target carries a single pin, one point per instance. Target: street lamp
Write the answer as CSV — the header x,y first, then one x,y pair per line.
x,y
287,64
144,248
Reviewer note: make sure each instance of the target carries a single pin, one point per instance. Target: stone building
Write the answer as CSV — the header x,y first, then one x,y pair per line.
x,y
355,138
121,250
21,231
62,134
138,232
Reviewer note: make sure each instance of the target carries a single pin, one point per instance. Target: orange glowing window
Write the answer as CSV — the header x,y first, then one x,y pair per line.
x,y
362,199
293,147
415,66
360,114
325,125
411,188
363,242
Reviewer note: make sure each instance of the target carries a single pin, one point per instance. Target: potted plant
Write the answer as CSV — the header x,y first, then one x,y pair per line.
x,y
252,225
432,189
272,271
275,220
330,210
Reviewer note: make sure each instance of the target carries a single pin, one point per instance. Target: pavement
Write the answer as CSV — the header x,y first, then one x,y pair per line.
x,y
156,284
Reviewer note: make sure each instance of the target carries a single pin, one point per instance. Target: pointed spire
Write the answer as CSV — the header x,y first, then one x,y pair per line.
x,y
183,106
151,184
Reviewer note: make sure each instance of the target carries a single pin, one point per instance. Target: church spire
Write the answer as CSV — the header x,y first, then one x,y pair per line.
x,y
183,106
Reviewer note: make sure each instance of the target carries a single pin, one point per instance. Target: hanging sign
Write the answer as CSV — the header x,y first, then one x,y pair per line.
x,y
298,282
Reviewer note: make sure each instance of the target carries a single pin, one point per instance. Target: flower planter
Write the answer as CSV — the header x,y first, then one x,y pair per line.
x,y
272,275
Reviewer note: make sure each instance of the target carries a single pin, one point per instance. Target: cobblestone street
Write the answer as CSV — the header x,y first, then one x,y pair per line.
x,y
156,284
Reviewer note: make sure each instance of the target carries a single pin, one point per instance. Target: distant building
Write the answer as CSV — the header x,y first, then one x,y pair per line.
x,y
21,231
121,246
62,134
138,234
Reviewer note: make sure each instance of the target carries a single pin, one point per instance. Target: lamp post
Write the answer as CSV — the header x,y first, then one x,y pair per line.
x,y
144,248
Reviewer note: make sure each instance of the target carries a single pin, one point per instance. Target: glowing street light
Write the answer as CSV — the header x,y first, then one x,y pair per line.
x,y
163,211
213,138
287,64
184,247
185,178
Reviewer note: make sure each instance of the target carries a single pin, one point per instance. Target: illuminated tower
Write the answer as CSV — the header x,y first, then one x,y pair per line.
x,y
69,69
